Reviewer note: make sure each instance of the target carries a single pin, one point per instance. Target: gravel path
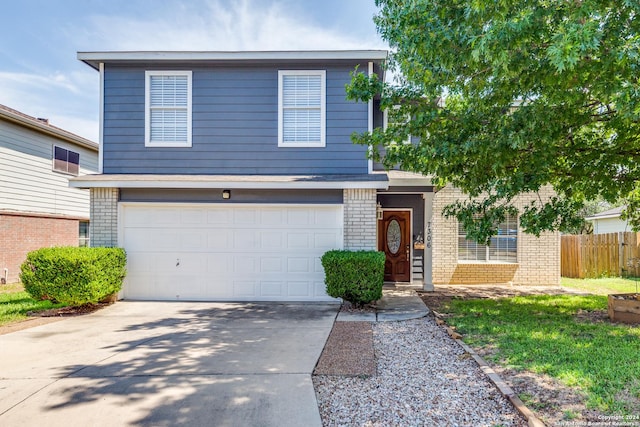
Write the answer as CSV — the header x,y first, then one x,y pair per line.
x,y
423,379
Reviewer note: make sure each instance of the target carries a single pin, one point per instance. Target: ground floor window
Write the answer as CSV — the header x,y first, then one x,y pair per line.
x,y
84,234
503,246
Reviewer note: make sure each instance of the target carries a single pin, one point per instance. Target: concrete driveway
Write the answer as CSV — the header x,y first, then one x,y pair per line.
x,y
165,364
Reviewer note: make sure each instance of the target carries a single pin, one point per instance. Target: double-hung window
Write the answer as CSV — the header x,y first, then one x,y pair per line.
x,y
301,108
168,109
503,247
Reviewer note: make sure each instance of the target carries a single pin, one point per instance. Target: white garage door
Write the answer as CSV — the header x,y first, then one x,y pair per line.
x,y
228,252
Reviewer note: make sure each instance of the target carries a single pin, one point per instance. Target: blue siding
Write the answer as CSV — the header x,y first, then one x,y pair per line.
x,y
235,125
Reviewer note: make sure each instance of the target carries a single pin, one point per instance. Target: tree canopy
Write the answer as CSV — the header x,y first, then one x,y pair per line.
x,y
506,97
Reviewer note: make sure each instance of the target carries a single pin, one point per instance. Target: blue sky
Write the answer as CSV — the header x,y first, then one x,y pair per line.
x,y
39,39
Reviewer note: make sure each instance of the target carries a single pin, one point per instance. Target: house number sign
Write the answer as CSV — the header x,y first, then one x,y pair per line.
x,y
427,240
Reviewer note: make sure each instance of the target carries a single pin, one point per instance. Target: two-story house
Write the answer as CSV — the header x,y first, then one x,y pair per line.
x,y
226,175
37,207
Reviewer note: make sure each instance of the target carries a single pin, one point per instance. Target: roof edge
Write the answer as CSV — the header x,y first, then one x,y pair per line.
x,y
33,123
93,59
228,182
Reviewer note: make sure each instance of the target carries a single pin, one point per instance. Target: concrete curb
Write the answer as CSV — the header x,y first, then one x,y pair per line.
x,y
501,385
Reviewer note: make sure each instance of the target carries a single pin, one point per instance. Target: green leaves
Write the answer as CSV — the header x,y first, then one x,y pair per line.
x,y
507,97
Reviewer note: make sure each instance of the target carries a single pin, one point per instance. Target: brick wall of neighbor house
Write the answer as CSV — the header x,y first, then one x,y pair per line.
x,y
20,234
359,219
538,258
104,217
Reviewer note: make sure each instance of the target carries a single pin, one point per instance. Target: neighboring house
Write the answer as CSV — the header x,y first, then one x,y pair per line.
x,y
226,176
37,207
609,221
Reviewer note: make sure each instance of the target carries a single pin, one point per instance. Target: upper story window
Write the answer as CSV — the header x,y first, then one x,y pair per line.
x,y
66,161
503,247
168,109
393,117
301,108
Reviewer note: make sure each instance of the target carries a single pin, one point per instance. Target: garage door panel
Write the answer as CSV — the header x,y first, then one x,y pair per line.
x,y
245,288
219,215
247,240
245,264
271,288
299,289
193,240
299,240
299,218
191,217
219,263
245,217
271,264
233,252
218,239
299,265
328,219
325,241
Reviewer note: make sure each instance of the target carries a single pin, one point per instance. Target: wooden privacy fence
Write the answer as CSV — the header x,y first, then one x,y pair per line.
x,y
595,255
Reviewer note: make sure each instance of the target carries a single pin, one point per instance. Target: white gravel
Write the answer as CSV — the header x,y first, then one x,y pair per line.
x,y
423,379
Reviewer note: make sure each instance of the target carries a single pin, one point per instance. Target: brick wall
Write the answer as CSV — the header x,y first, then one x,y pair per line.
x,y
22,233
359,219
104,217
538,258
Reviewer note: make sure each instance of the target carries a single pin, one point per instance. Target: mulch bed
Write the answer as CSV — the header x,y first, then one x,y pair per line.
x,y
348,351
68,311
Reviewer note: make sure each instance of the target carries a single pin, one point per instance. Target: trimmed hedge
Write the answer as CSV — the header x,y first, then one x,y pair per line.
x,y
355,276
73,275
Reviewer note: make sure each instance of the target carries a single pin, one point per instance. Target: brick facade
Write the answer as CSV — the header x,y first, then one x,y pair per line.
x,y
538,258
104,217
22,233
359,219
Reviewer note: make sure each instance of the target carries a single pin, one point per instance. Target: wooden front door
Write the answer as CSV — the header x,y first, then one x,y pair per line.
x,y
394,238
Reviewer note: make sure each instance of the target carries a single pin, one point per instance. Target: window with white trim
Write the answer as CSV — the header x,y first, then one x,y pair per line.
x,y
168,108
301,108
503,247
66,161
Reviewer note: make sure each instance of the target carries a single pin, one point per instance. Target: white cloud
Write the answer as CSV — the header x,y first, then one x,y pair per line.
x,y
69,101
218,25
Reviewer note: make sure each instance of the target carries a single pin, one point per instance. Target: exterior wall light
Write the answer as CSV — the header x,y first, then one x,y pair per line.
x,y
226,194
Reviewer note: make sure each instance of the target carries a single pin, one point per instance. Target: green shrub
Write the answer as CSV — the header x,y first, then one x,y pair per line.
x,y
73,275
356,277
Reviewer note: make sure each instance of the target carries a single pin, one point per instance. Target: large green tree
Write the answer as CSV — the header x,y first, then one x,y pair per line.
x,y
507,96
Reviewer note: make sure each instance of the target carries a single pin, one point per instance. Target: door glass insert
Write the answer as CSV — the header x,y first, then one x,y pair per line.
x,y
393,236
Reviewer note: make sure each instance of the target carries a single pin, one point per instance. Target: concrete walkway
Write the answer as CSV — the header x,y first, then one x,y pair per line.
x,y
396,304
167,364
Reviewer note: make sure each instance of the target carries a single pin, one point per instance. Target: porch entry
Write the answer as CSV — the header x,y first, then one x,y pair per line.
x,y
394,238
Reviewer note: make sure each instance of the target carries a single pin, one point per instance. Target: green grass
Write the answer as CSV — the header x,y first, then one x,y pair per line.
x,y
15,303
541,334
602,286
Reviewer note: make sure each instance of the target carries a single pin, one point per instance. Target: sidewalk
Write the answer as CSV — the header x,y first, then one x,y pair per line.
x,y
395,304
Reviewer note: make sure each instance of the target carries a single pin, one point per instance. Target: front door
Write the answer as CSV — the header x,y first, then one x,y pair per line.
x,y
394,238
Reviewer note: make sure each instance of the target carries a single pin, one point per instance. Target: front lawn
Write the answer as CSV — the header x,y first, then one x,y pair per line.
x,y
15,303
602,286
556,335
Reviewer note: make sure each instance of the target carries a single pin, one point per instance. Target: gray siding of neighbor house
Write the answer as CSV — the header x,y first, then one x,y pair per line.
x,y
27,180
237,196
235,124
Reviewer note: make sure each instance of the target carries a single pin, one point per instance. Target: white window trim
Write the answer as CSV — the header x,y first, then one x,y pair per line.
x,y
323,108
147,111
385,122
